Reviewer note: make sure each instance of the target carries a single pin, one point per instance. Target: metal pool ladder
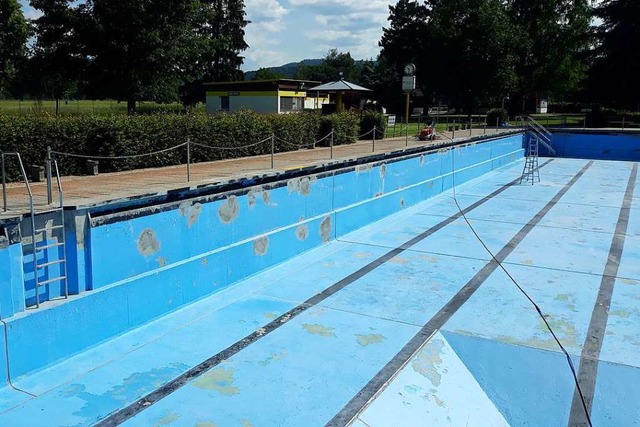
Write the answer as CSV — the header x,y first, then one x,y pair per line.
x,y
60,245
59,229
531,169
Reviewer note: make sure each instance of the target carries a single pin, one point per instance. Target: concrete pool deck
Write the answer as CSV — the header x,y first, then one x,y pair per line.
x,y
407,321
82,191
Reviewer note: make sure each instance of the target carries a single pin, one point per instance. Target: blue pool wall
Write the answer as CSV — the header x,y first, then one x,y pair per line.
x,y
11,274
131,266
596,145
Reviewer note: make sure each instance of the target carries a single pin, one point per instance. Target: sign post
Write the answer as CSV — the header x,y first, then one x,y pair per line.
x,y
408,86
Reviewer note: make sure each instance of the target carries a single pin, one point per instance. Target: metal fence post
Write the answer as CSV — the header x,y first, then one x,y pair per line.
x,y
497,123
470,125
373,140
584,122
453,127
484,128
623,121
47,165
331,144
4,184
273,149
188,160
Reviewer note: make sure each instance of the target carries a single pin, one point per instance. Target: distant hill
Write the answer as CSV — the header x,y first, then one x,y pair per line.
x,y
287,70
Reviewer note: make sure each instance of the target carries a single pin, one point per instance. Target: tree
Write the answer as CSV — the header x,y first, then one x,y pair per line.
x,y
463,49
141,49
384,81
267,74
217,47
14,32
334,66
614,75
220,28
58,59
553,35
405,40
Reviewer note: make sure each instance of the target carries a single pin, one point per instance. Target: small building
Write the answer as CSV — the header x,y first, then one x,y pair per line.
x,y
263,96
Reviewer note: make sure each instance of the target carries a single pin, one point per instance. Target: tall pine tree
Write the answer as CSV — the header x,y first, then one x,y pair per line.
x,y
220,27
218,47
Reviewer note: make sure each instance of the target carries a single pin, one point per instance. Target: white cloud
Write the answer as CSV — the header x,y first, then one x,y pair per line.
x,y
30,13
266,15
327,35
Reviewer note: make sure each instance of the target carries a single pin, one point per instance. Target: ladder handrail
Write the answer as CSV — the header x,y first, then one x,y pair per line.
x,y
64,237
539,126
4,155
543,134
31,211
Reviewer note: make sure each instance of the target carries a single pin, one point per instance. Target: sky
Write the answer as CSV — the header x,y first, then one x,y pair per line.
x,y
283,31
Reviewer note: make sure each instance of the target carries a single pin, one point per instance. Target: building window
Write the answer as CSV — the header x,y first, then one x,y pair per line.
x,y
224,103
289,104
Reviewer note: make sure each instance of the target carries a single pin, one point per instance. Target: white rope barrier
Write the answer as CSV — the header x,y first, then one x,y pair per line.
x,y
132,156
231,148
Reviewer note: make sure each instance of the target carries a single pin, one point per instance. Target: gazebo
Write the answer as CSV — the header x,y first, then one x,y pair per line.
x,y
339,87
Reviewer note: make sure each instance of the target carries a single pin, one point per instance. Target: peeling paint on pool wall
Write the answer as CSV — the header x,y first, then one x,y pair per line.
x,y
148,244
332,204
229,211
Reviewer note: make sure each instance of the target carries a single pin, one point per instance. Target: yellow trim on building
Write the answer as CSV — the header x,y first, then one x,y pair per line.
x,y
293,94
232,93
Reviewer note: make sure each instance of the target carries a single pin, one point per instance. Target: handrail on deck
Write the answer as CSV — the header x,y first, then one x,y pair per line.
x,y
4,155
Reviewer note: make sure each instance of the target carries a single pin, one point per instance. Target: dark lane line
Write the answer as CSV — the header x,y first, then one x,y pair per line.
x,y
377,383
120,416
595,334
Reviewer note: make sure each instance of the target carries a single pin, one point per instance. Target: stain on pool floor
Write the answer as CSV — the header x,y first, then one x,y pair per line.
x,y
405,322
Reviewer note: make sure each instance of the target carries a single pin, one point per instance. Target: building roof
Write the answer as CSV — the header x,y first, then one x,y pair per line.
x,y
262,85
339,86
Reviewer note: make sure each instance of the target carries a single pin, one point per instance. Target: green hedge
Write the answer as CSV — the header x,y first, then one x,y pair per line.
x,y
371,119
345,126
119,135
607,117
497,114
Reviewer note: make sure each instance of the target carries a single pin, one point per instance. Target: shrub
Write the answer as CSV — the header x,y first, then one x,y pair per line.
x,y
496,114
345,126
212,137
371,119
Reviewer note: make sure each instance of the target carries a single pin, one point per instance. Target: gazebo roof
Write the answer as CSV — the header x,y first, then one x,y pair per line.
x,y
339,86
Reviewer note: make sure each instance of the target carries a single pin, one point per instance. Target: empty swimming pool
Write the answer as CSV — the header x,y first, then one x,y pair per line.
x,y
356,296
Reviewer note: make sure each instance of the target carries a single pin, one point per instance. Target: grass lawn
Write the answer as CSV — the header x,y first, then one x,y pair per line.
x,y
79,107
414,128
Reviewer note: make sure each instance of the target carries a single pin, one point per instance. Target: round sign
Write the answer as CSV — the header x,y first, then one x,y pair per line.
x,y
409,69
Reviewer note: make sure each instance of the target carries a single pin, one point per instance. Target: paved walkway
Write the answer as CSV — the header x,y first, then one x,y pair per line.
x,y
91,190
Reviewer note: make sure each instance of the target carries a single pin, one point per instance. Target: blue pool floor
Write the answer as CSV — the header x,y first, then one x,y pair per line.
x,y
491,361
